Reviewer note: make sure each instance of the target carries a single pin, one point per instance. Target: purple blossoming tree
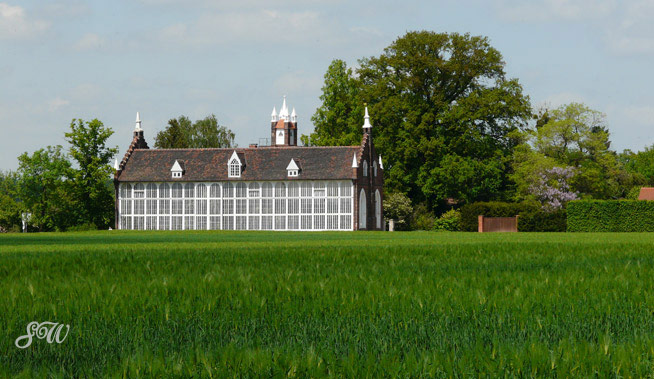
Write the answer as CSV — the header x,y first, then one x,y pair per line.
x,y
552,188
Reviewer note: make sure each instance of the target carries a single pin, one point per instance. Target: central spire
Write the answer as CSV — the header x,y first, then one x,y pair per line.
x,y
283,113
137,127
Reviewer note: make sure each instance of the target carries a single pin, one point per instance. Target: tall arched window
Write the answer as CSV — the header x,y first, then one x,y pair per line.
x,y
293,206
378,205
214,206
164,206
125,190
125,206
254,205
362,210
151,206
201,207
365,168
228,206
176,206
374,168
267,206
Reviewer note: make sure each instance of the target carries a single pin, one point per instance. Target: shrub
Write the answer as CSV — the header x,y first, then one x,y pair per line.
x,y
422,218
449,221
397,206
611,216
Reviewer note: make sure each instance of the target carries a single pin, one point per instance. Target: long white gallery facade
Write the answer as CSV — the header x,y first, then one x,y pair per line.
x,y
297,205
277,187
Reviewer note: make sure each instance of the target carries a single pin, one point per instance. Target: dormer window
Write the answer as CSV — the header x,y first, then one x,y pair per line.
x,y
234,166
177,170
293,170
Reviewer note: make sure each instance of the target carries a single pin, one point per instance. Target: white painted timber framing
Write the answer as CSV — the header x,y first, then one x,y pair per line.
x,y
274,205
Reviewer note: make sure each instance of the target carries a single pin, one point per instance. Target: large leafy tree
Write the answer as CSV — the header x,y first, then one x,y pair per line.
x,y
443,114
640,164
44,189
10,208
88,147
337,122
571,136
181,133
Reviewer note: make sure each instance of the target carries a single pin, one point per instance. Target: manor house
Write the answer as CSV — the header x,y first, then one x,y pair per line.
x,y
277,187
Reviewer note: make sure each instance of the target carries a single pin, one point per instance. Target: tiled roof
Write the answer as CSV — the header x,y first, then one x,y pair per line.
x,y
646,193
262,163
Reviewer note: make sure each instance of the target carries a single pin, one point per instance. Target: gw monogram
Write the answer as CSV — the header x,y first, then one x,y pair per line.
x,y
51,331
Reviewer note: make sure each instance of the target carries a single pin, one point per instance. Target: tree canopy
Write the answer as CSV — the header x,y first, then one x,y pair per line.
x,y
88,149
338,120
181,133
44,188
571,136
443,114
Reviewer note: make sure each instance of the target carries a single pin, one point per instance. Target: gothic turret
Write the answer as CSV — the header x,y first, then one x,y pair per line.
x,y
283,127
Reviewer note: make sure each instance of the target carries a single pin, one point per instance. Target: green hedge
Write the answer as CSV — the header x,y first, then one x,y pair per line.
x,y
611,216
539,221
532,218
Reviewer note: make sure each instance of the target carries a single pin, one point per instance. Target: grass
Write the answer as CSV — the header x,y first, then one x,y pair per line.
x,y
218,304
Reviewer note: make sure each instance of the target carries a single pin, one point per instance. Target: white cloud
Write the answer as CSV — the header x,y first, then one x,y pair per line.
x,y
299,83
631,126
639,114
634,31
562,98
554,10
14,23
56,103
85,91
625,26
89,41
366,30
242,4
267,26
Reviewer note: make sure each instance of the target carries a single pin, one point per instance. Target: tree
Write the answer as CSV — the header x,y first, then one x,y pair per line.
x,y
176,135
93,190
440,106
571,136
337,122
10,208
640,164
44,188
552,189
181,133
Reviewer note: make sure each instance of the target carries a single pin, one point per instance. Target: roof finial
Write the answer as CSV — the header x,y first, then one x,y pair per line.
x,y
293,116
138,122
273,115
381,164
366,118
116,164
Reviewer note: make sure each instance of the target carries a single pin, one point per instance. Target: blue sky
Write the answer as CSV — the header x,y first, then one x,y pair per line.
x,y
164,58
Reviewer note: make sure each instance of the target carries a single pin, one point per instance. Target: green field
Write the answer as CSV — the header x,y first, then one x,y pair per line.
x,y
341,304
